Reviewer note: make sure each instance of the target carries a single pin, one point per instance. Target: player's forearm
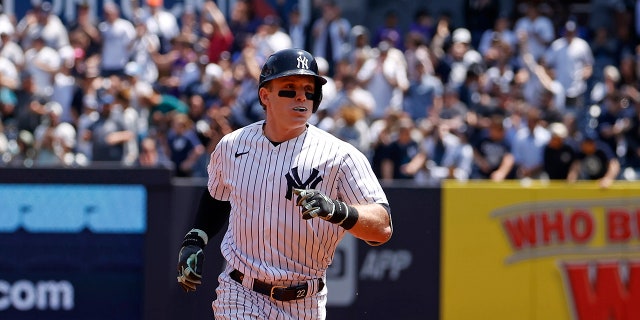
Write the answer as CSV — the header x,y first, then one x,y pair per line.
x,y
211,215
370,222
374,223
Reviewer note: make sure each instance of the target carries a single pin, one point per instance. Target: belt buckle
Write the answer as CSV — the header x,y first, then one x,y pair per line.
x,y
272,291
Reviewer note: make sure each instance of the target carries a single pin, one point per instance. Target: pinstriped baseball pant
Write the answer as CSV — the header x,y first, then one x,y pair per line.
x,y
235,301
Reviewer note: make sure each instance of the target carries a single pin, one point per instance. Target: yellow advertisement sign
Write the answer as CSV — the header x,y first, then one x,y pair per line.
x,y
540,251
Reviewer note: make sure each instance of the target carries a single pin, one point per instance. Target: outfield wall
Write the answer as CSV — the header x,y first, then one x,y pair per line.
x,y
102,244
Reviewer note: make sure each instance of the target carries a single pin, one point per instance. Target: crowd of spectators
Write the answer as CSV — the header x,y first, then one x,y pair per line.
x,y
514,95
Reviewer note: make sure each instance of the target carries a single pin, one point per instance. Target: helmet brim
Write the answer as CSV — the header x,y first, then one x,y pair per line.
x,y
296,72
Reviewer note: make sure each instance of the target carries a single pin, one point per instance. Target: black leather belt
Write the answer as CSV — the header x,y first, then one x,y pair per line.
x,y
279,293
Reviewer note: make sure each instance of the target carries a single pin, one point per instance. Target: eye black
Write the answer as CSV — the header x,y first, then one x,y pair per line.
x,y
287,93
292,94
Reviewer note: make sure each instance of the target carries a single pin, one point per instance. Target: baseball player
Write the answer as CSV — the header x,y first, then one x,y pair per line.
x,y
290,192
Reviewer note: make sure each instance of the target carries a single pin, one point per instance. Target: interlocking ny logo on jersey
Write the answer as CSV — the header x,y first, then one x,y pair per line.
x,y
303,62
294,181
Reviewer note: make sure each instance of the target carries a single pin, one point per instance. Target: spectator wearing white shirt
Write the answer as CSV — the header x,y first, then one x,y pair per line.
x,y
297,28
42,62
500,32
572,60
9,82
351,126
536,29
54,139
41,22
330,32
143,48
6,25
11,50
9,74
460,56
443,155
540,82
117,35
131,119
64,84
528,146
162,23
270,37
85,120
385,76
351,92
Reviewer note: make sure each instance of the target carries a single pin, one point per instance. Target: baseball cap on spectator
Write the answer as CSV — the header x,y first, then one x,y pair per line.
x,y
154,3
271,20
559,130
45,7
53,107
132,69
186,40
212,72
612,72
384,46
83,5
104,97
68,55
461,35
6,29
143,89
323,65
139,16
26,137
570,26
359,30
90,102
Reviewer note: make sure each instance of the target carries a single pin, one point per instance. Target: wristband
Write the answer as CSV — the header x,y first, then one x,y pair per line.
x,y
344,215
350,220
195,237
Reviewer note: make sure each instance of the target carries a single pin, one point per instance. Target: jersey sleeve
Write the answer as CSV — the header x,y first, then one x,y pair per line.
x,y
359,184
216,170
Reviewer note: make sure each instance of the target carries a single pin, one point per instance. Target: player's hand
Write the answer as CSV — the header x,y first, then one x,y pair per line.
x,y
190,262
315,204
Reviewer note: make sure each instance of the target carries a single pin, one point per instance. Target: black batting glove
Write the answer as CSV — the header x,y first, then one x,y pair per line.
x,y
316,204
191,259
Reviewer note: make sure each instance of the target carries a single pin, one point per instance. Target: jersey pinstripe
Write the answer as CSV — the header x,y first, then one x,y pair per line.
x,y
267,239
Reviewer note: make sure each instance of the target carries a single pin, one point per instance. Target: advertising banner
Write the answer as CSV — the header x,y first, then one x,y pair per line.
x,y
540,251
72,251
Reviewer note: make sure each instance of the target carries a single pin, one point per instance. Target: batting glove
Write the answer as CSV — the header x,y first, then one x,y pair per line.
x,y
190,260
316,204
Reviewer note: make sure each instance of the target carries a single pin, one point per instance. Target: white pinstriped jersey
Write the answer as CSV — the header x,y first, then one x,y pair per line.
x,y
267,238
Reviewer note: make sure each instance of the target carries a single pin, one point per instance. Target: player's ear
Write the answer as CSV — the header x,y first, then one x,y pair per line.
x,y
263,95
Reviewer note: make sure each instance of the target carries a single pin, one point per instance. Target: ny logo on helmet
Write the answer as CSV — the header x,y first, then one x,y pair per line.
x,y
303,62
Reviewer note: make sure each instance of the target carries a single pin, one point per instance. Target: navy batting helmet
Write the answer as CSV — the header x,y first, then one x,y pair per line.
x,y
290,62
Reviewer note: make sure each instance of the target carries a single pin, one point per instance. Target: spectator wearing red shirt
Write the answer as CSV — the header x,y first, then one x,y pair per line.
x,y
220,38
